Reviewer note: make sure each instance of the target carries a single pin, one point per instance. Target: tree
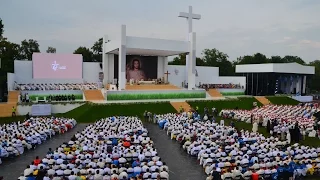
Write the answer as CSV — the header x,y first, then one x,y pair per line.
x,y
180,60
51,50
276,59
216,58
28,47
314,82
257,58
200,62
9,53
1,28
291,59
212,57
86,53
97,50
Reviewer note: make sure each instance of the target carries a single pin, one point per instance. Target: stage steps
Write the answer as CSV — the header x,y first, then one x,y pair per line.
x,y
6,109
152,87
93,95
184,105
214,93
13,96
263,100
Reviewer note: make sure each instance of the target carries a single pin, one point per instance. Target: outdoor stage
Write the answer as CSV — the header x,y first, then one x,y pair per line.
x,y
149,92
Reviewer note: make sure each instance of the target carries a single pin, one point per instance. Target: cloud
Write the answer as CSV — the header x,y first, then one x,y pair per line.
x,y
309,43
283,40
234,27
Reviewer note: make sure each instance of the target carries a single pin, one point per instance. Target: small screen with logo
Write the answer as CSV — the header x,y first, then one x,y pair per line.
x,y
57,66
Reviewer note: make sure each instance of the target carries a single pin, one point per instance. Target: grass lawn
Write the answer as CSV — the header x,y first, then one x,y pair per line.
x,y
5,120
90,112
241,103
282,100
156,96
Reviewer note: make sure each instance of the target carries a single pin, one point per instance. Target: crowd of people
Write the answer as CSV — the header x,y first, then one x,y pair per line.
x,y
221,86
55,86
228,153
17,137
114,148
280,119
56,97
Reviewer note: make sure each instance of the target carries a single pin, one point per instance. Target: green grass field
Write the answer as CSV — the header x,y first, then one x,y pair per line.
x,y
232,93
282,100
241,103
156,96
90,112
41,96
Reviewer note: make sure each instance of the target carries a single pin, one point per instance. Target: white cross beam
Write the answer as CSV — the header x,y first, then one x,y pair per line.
x,y
189,16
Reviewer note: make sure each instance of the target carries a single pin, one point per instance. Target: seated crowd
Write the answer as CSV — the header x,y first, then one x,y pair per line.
x,y
220,86
51,86
17,137
279,118
228,153
115,148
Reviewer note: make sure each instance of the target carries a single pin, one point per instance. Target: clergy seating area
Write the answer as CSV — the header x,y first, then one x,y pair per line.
x,y
152,87
111,148
282,117
54,86
17,137
225,152
147,81
221,86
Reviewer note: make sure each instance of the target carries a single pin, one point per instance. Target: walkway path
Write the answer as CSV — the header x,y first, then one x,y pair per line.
x,y
181,165
13,168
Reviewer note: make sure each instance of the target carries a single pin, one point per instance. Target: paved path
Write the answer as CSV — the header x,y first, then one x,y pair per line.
x,y
12,169
181,165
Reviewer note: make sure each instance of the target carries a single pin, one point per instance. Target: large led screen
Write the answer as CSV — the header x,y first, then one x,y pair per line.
x,y
138,67
57,66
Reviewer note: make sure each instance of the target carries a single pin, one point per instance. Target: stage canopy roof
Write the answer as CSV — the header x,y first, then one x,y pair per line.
x,y
292,68
148,46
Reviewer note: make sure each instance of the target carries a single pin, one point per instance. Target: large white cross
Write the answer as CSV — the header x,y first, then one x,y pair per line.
x,y
189,16
190,62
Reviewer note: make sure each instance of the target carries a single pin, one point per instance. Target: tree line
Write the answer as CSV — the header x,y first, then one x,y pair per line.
x,y
10,51
216,58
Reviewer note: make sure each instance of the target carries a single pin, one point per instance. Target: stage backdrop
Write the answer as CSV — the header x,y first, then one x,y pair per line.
x,y
23,73
146,67
56,66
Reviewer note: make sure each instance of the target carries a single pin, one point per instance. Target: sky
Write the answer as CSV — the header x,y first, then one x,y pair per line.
x,y
237,28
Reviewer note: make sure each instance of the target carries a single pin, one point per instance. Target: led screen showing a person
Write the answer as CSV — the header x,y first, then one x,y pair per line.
x,y
134,70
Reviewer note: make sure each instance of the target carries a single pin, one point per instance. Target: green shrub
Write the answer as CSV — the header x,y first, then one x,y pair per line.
x,y
41,96
156,96
232,93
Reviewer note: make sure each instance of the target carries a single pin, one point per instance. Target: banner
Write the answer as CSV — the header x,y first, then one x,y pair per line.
x,y
41,110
